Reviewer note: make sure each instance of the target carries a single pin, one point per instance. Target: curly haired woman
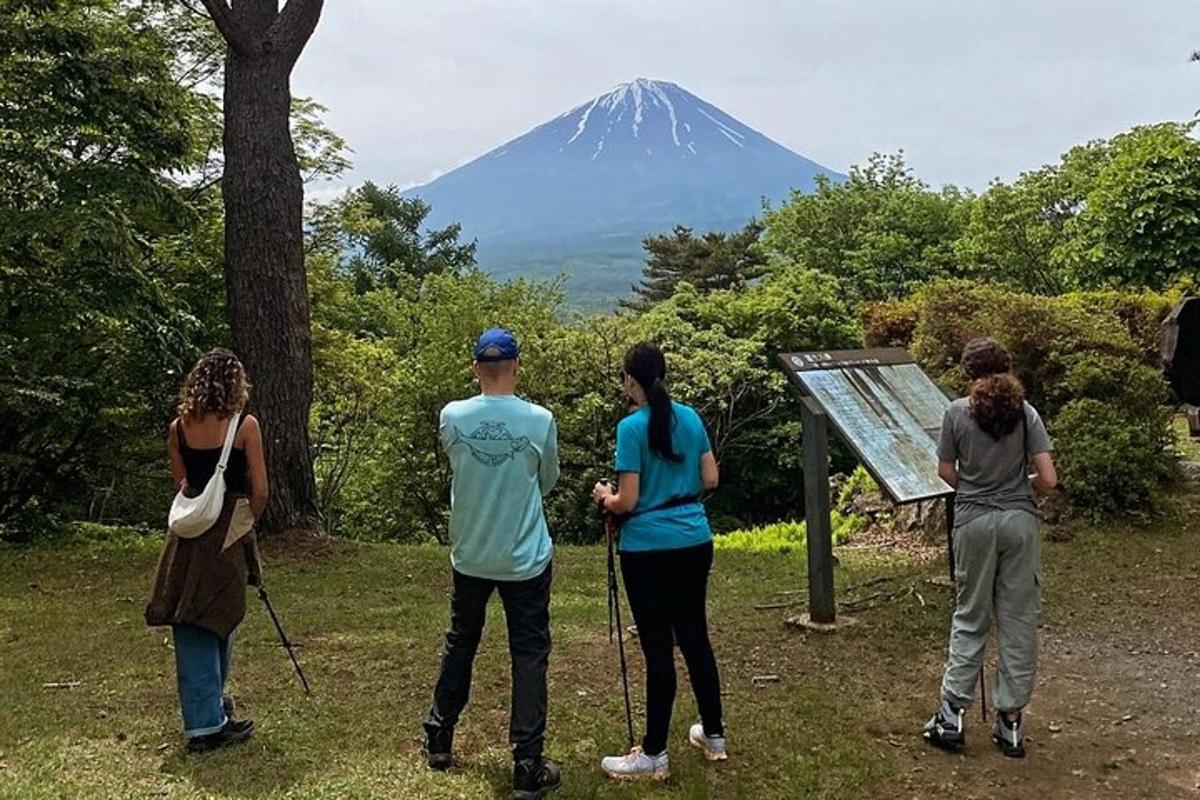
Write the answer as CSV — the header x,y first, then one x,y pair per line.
x,y
199,590
995,452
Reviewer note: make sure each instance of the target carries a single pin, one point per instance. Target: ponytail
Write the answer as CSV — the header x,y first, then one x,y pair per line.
x,y
997,397
645,364
661,417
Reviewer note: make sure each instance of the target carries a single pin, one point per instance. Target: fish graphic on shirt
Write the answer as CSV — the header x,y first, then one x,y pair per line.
x,y
491,444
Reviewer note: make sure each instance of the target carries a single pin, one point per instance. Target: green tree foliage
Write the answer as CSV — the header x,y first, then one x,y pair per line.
x,y
1140,223
1089,364
376,234
97,228
716,260
389,361
882,232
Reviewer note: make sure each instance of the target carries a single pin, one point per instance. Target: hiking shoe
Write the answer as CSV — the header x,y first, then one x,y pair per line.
x,y
1009,734
713,747
945,729
439,744
637,765
534,778
234,732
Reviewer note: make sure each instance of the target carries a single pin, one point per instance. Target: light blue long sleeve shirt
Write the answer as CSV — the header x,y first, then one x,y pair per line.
x,y
504,455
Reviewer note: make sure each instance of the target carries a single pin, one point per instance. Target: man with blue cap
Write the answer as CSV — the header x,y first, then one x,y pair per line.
x,y
504,455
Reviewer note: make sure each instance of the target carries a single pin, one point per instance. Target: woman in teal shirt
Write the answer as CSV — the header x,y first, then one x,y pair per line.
x,y
664,463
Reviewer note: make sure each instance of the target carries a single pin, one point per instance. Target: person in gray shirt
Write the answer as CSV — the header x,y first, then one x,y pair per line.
x,y
994,450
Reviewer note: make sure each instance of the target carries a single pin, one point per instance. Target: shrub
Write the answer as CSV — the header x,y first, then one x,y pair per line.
x,y
1090,366
890,323
1108,462
788,536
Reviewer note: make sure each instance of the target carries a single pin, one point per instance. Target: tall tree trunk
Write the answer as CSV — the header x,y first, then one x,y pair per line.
x,y
264,252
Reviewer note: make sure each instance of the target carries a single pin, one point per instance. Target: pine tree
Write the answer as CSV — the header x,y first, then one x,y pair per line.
x,y
716,260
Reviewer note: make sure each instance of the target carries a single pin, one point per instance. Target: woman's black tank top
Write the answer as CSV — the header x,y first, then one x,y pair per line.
x,y
201,462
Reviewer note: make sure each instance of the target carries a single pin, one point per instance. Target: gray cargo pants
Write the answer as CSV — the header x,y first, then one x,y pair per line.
x,y
997,566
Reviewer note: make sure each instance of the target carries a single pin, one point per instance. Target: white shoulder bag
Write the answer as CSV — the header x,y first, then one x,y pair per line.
x,y
192,516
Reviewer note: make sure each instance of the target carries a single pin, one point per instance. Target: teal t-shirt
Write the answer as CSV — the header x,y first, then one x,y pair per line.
x,y
661,480
504,454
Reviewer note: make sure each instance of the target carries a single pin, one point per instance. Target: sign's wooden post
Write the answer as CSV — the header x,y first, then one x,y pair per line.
x,y
821,608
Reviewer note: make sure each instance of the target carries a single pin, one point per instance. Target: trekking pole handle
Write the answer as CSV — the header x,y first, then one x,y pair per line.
x,y
600,503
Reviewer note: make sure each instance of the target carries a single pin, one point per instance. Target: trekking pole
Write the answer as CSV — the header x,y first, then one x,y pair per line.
x,y
614,615
262,595
983,691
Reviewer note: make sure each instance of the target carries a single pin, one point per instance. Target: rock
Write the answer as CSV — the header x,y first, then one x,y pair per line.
x,y
1055,727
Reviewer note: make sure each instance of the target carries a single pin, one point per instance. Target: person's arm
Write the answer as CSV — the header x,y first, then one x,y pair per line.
x,y
257,464
710,474
548,470
624,499
178,471
628,464
947,452
948,472
1045,477
254,570
1037,447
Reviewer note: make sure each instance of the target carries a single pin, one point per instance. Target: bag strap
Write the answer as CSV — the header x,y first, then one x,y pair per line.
x,y
1025,439
230,435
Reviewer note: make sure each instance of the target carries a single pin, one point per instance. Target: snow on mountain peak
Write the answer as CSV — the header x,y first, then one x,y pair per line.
x,y
639,158
661,116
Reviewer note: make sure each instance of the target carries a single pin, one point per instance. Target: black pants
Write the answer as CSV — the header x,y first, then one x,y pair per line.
x,y
667,591
527,612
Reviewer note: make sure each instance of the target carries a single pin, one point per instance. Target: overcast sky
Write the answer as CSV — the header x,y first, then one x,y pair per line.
x,y
969,89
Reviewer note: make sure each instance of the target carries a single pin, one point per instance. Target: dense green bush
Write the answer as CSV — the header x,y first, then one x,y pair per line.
x,y
1089,362
389,359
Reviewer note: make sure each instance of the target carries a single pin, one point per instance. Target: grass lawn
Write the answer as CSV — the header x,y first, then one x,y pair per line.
x,y
841,722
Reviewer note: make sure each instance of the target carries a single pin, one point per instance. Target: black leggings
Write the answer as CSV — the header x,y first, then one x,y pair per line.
x,y
667,591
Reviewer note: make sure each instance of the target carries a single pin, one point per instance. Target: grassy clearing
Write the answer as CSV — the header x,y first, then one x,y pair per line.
x,y
839,724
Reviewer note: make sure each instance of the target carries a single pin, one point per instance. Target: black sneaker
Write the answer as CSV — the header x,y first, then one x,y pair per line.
x,y
227,705
1009,734
534,778
439,744
945,729
234,732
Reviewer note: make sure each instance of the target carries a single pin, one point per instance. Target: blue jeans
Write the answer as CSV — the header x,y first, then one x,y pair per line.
x,y
201,667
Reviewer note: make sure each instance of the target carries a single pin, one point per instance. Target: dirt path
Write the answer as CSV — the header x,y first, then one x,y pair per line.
x,y
1117,710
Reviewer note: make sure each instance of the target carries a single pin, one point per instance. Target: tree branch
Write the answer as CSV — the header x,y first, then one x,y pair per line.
x,y
233,33
293,27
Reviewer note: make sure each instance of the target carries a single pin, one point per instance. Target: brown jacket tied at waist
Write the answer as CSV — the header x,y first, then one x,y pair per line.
x,y
202,581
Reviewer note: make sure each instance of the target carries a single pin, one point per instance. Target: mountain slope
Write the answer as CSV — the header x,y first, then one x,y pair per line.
x,y
585,187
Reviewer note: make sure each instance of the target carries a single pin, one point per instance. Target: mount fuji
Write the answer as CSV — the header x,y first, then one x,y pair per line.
x,y
577,193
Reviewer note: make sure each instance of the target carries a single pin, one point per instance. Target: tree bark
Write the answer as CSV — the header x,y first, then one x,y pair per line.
x,y
264,249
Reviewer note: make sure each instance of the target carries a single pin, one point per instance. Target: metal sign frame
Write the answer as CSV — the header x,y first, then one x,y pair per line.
x,y
826,360
814,421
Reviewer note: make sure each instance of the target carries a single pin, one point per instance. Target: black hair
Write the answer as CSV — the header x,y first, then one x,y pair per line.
x,y
645,364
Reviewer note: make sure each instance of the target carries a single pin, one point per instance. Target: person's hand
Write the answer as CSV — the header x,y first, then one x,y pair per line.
x,y
600,491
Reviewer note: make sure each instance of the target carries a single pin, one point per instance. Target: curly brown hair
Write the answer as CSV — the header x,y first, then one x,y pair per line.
x,y
997,397
216,385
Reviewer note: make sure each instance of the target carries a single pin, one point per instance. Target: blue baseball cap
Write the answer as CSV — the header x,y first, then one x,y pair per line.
x,y
496,344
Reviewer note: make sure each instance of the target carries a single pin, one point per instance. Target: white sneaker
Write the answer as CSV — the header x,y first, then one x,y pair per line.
x,y
713,747
636,765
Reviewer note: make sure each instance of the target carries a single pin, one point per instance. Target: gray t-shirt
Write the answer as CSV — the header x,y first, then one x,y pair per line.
x,y
992,475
